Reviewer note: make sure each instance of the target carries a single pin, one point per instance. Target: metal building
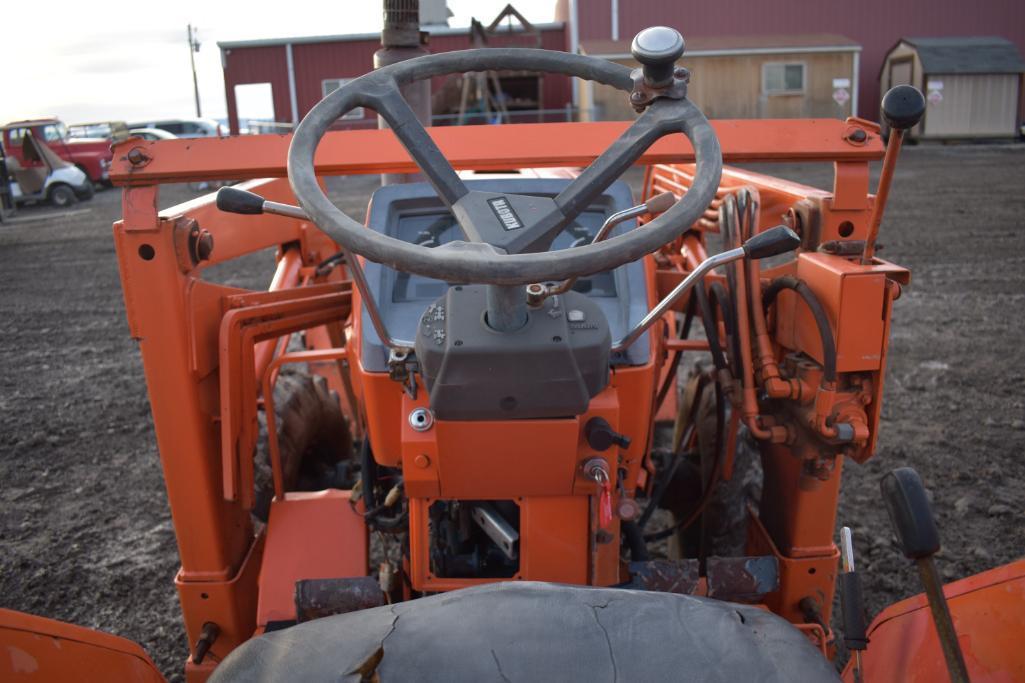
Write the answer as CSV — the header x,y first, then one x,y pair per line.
x,y
301,71
973,86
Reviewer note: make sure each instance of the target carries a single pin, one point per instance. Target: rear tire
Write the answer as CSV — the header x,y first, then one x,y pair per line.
x,y
313,436
721,530
61,196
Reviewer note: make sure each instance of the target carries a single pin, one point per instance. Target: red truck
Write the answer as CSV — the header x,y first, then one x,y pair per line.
x,y
92,155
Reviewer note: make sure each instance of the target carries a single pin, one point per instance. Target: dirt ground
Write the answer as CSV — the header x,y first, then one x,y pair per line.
x,y
85,535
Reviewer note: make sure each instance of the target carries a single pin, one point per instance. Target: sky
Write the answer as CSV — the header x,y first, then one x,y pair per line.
x,y
120,60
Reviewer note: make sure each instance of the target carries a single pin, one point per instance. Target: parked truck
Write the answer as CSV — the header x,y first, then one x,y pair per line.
x,y
91,155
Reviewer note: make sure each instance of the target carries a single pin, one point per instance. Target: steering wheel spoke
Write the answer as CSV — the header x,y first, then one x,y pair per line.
x,y
390,104
616,159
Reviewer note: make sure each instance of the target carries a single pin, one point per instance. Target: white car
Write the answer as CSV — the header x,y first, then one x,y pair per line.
x,y
184,128
152,134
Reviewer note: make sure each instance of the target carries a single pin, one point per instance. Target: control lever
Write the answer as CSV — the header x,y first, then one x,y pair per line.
x,y
234,200
771,242
915,527
660,203
852,604
903,107
601,436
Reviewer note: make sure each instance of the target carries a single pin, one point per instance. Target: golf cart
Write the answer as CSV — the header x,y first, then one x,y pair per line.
x,y
44,176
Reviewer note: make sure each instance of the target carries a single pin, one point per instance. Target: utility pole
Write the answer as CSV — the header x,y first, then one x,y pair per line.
x,y
194,48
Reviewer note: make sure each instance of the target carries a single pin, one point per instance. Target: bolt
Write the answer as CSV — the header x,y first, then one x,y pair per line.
x,y
422,461
856,136
204,245
206,638
137,157
536,294
421,419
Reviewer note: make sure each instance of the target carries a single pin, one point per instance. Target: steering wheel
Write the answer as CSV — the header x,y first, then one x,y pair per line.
x,y
508,235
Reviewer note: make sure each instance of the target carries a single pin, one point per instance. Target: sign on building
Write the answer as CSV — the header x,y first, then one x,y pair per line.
x,y
841,94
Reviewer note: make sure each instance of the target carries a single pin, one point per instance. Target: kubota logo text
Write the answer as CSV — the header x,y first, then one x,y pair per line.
x,y
510,221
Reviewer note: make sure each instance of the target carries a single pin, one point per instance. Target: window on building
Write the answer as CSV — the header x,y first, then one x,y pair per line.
x,y
329,85
783,78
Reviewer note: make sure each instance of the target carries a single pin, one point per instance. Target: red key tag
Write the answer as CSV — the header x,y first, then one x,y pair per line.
x,y
605,504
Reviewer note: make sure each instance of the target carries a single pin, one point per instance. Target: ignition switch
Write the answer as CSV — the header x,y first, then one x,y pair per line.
x,y
598,470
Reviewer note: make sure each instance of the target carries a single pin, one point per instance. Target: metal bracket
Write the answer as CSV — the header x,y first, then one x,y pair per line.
x,y
497,529
402,368
643,94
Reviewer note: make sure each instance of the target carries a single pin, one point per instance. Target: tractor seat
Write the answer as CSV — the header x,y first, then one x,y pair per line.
x,y
528,631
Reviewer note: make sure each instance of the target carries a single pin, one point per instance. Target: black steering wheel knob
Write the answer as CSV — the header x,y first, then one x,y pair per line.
x,y
657,49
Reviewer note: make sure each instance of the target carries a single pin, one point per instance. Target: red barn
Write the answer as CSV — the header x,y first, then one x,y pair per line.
x,y
301,71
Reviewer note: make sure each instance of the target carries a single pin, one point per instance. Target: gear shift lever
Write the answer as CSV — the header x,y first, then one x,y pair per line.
x,y
903,107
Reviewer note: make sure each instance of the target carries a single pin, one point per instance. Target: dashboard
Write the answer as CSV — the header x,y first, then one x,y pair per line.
x,y
413,213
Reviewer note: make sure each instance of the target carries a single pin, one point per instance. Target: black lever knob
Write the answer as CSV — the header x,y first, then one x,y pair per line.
x,y
657,49
910,512
903,107
915,526
234,200
601,437
772,242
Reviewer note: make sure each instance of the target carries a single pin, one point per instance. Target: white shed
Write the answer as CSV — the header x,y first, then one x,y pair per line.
x,y
973,86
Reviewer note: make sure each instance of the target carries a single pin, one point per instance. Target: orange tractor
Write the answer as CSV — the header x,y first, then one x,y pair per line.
x,y
439,446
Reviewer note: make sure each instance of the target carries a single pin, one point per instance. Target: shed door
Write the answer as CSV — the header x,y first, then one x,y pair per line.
x,y
900,72
973,105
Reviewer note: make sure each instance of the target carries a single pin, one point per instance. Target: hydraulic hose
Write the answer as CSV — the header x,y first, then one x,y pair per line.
x,y
821,320
713,476
724,303
663,482
635,541
368,472
732,212
688,320
369,475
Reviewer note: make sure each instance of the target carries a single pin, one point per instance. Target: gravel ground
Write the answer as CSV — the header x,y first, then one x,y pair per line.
x,y
85,535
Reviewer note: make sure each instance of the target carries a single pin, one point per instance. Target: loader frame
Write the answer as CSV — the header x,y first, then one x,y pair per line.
x,y
211,351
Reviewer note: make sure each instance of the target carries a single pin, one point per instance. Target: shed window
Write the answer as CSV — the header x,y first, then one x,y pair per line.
x,y
783,78
329,85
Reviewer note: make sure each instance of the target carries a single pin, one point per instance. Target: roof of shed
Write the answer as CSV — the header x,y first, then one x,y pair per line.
x,y
967,55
